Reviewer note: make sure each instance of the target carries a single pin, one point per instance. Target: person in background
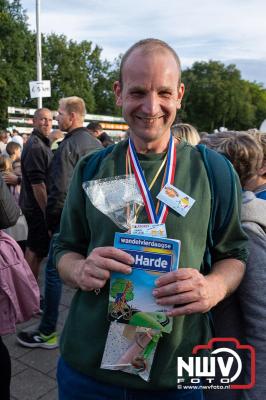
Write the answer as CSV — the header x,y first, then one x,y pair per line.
x,y
18,139
13,176
5,164
56,136
35,163
260,184
25,138
186,132
96,130
9,214
243,315
14,149
3,140
76,144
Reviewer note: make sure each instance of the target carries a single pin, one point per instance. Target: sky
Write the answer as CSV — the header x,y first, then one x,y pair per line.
x,y
230,31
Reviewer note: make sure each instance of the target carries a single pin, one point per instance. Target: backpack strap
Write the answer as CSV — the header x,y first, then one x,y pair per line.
x,y
222,186
94,161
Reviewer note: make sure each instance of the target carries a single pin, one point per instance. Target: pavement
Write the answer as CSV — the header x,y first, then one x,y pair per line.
x,y
34,370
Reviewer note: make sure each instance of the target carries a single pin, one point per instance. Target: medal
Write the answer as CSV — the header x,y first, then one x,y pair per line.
x,y
160,217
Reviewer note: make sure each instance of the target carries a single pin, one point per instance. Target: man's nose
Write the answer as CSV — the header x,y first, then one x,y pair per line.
x,y
151,105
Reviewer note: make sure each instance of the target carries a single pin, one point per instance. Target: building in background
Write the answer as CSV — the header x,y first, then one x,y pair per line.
x,y
22,120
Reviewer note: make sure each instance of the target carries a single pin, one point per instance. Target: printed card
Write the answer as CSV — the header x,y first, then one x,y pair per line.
x,y
176,199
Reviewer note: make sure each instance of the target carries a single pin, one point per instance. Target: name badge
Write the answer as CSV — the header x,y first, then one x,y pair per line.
x,y
157,230
176,199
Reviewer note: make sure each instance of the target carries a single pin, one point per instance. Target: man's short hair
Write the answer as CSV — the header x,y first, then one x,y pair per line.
x,y
149,45
39,110
73,104
94,126
11,147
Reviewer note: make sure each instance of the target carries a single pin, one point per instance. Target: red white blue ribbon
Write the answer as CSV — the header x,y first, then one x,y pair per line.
x,y
143,186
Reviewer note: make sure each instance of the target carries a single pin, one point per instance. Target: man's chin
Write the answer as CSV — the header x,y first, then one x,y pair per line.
x,y
147,135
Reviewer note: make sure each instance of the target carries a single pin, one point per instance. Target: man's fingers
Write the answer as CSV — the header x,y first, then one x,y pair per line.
x,y
182,298
113,253
173,288
97,273
187,309
114,265
174,276
92,284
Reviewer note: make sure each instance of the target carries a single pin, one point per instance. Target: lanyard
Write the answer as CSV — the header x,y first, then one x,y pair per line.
x,y
153,216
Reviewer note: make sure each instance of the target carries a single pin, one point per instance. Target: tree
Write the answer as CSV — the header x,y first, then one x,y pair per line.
x,y
103,88
217,96
73,68
122,286
77,69
65,63
16,57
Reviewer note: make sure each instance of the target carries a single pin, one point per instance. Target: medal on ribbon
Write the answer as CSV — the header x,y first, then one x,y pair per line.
x,y
160,217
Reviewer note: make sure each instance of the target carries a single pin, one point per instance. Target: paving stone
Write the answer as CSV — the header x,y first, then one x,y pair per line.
x,y
53,395
17,367
15,349
29,325
41,359
67,296
34,370
63,316
31,385
52,373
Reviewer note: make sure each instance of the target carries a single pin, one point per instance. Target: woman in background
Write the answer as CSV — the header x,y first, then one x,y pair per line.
x,y
9,213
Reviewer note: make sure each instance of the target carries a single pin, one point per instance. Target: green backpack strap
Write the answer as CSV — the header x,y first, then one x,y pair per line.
x,y
222,186
93,163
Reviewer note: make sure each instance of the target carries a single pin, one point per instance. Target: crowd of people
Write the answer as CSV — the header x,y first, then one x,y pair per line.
x,y
53,217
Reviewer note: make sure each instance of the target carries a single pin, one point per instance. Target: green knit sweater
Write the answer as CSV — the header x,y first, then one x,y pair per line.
x,y
83,228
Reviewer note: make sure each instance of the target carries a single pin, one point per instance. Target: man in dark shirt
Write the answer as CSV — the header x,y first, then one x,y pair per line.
x,y
35,162
96,130
76,143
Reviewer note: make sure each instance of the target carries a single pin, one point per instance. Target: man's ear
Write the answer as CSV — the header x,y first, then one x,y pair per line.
x,y
118,93
180,94
72,115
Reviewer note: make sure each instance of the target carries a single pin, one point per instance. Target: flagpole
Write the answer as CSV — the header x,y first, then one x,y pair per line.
x,y
38,49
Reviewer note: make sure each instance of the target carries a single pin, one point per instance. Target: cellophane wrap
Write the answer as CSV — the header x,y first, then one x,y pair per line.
x,y
118,197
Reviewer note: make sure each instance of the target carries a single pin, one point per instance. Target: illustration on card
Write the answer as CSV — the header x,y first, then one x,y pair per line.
x,y
130,297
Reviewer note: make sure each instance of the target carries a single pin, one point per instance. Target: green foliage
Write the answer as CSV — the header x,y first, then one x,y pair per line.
x,y
65,63
17,48
217,96
73,68
119,286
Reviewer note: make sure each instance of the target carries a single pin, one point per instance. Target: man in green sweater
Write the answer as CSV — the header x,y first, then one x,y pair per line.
x,y
150,92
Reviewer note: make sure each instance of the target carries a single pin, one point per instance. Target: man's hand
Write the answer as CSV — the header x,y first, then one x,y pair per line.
x,y
187,288
94,271
193,292
10,178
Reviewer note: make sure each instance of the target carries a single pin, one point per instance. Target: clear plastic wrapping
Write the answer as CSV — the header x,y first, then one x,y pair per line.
x,y
118,197
130,349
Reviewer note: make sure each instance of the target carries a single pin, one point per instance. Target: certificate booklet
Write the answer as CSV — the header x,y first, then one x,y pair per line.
x,y
130,299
